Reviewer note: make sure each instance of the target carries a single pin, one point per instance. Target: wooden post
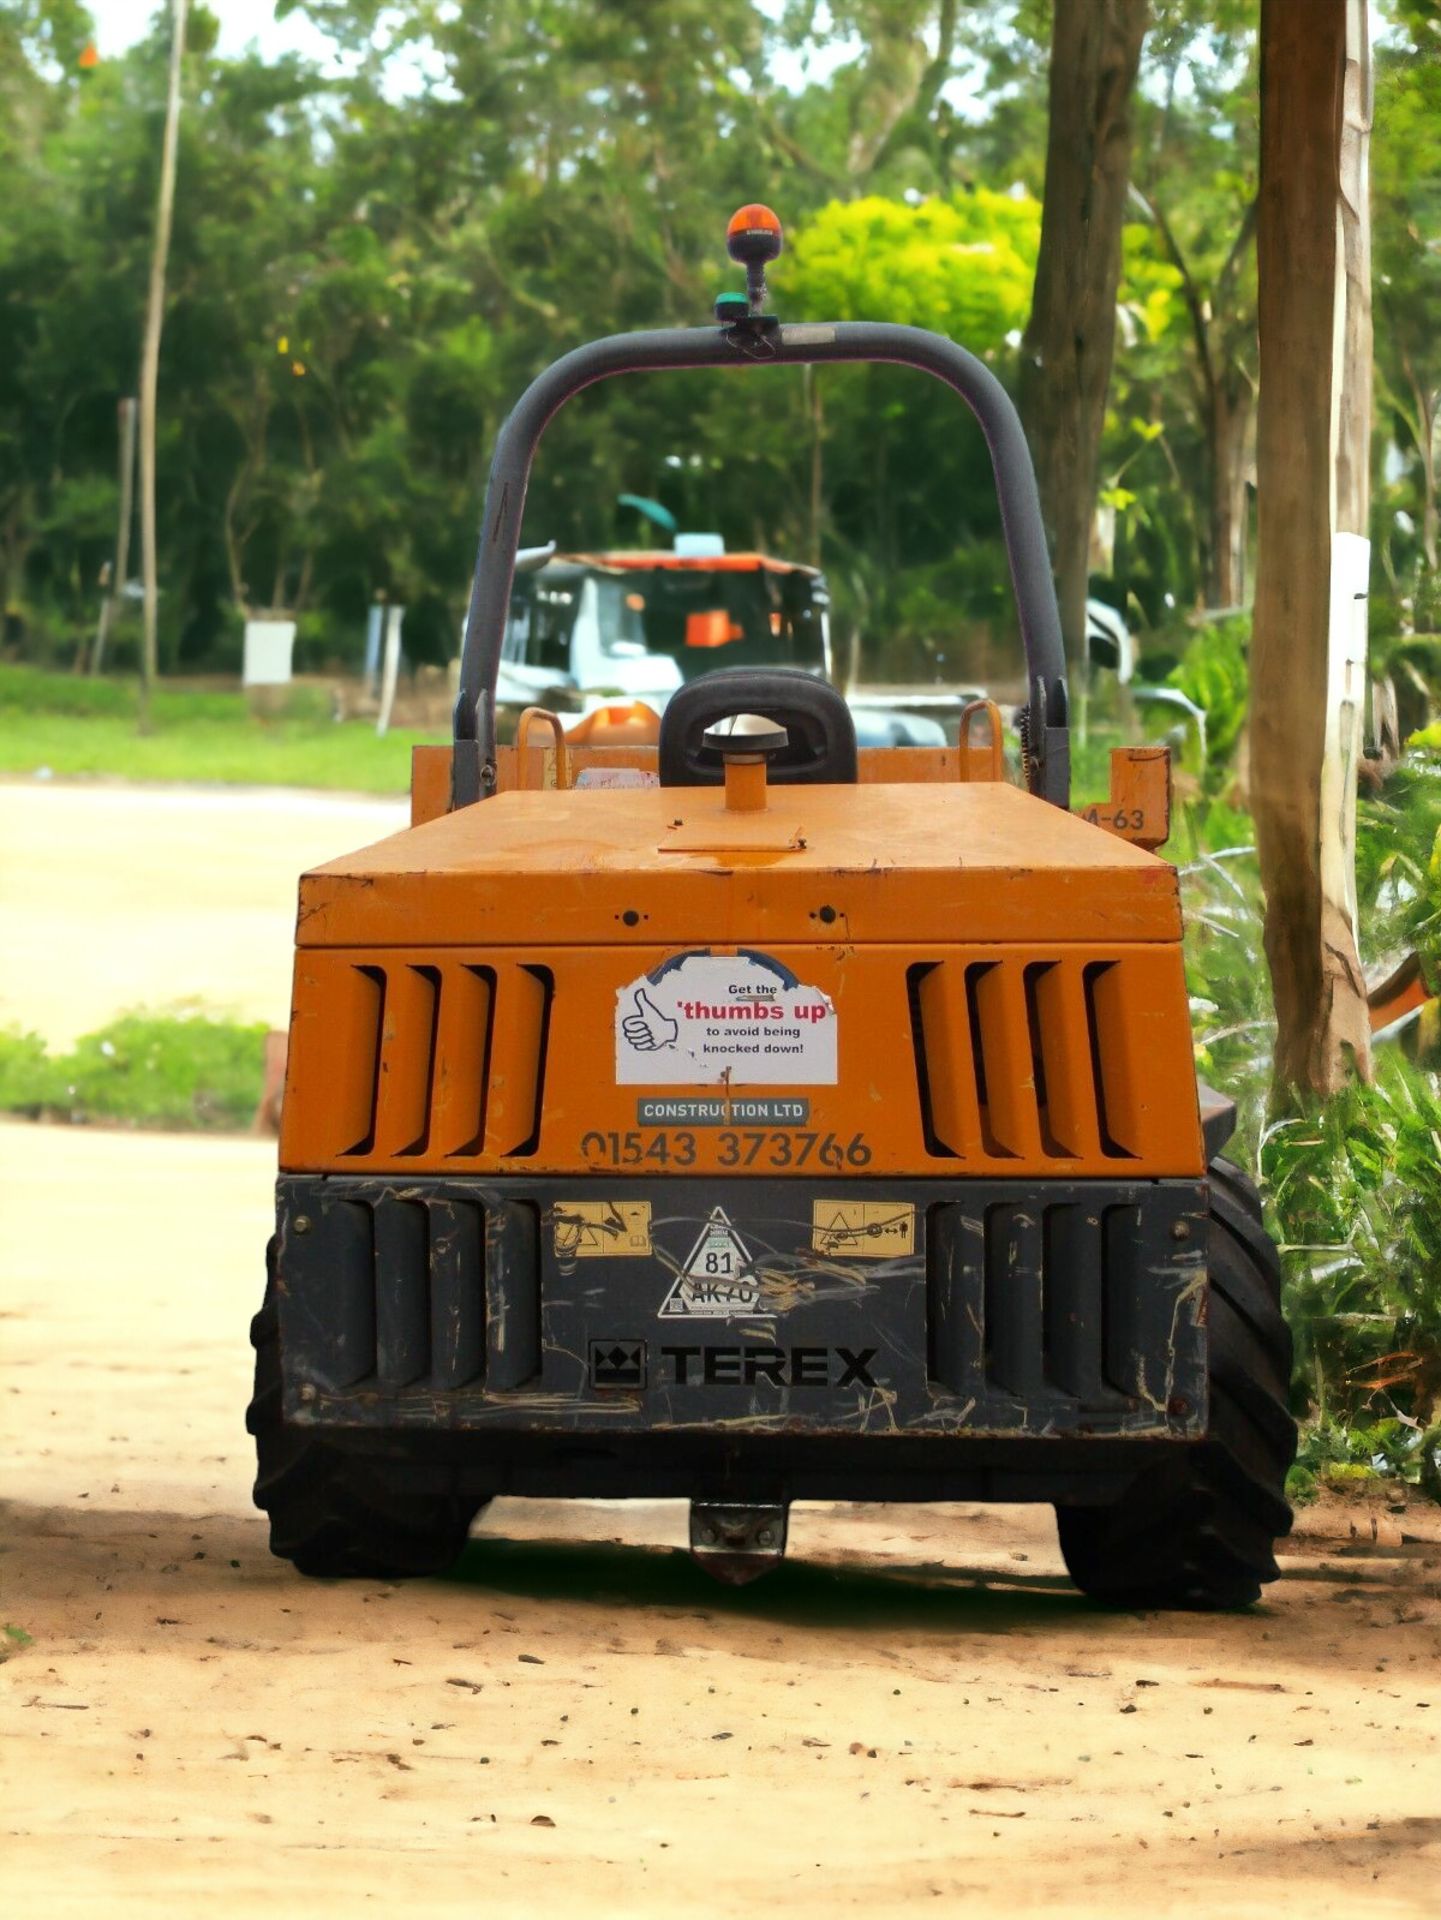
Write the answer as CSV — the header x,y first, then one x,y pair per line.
x,y
390,668
1313,436
150,359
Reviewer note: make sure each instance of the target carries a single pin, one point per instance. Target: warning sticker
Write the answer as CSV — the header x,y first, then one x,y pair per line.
x,y
716,1282
613,777
738,1019
595,1229
863,1229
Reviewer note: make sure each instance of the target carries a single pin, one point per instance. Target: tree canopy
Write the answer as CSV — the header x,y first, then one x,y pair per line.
x,y
372,255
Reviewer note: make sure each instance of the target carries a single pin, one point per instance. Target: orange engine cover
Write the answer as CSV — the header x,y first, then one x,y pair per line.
x,y
885,979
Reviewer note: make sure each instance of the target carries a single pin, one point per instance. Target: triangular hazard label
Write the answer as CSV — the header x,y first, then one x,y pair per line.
x,y
716,1281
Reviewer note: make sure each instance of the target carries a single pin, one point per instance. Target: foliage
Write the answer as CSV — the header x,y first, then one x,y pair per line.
x,y
1356,1193
166,1069
1214,672
29,1080
1406,269
961,266
1334,1455
364,275
1232,1019
15,1640
1353,1190
1398,865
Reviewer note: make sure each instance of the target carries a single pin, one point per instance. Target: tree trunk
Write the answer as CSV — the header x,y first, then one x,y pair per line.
x,y
15,542
1070,338
1353,426
1307,669
150,358
818,492
1227,431
111,606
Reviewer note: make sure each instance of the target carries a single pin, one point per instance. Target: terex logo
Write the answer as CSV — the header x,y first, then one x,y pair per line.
x,y
745,1366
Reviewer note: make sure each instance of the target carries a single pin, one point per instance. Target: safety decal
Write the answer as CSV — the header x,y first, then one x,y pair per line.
x,y
863,1229
600,1229
739,1019
716,1282
615,777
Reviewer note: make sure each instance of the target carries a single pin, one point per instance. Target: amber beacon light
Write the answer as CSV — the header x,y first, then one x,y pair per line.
x,y
754,236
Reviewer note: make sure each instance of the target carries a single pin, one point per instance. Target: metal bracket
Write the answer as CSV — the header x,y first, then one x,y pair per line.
x,y
757,336
737,1544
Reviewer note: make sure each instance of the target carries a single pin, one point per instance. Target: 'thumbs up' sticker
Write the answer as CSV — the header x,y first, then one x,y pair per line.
x,y
741,1019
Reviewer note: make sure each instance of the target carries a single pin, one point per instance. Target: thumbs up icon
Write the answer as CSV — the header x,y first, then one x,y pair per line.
x,y
648,1029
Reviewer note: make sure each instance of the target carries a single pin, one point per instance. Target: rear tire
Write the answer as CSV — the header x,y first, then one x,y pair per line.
x,y
336,1514
1199,1531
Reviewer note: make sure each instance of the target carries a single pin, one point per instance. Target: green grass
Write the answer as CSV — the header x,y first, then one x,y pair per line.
x,y
87,727
14,1640
168,1069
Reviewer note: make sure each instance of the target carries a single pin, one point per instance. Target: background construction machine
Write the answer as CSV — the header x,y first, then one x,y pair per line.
x,y
743,1118
636,624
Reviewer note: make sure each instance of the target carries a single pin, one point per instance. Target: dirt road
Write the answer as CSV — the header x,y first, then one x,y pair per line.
x,y
114,897
915,1712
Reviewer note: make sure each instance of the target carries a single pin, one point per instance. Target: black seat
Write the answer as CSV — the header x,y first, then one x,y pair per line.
x,y
820,750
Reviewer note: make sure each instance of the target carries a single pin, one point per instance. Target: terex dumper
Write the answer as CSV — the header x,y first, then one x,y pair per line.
x,y
744,1119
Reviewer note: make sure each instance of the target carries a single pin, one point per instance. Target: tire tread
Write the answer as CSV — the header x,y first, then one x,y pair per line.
x,y
335,1514
1199,1531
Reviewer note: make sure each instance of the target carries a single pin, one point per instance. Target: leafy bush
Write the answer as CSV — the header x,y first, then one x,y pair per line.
x,y
1398,865
166,1069
1355,1187
962,265
29,1080
1332,1455
1233,1023
1215,672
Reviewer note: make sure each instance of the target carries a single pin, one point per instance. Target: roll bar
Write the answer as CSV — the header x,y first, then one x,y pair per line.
x,y
765,342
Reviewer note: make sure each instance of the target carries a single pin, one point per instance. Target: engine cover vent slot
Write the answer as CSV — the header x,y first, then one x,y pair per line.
x,y
1053,1059
400,1061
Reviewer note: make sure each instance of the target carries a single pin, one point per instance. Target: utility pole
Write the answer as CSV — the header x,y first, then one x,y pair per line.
x,y
110,605
150,357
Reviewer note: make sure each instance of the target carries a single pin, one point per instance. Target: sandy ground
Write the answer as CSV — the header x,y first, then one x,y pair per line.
x,y
114,897
915,1712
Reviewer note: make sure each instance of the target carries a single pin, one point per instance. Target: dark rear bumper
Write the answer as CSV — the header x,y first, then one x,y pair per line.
x,y
676,1321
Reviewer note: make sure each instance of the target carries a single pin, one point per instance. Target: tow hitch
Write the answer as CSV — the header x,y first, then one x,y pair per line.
x,y
737,1544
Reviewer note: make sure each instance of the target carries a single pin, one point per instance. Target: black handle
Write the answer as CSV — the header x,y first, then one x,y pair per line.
x,y
764,344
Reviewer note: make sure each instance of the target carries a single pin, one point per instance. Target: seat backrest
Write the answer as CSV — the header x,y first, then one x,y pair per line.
x,y
821,747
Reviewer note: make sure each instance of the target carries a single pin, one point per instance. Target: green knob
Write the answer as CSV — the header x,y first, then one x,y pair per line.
x,y
730,307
